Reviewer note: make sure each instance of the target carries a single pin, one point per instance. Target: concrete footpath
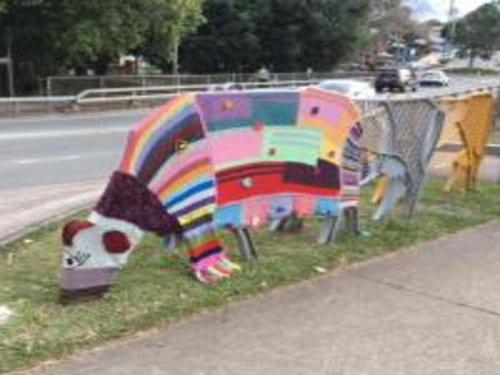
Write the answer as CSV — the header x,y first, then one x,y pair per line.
x,y
25,210
434,309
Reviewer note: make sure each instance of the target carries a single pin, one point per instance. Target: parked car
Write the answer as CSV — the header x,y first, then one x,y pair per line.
x,y
434,78
395,80
228,86
350,87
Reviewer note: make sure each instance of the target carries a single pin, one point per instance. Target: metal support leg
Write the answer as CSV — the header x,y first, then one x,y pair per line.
x,y
245,244
328,230
395,191
170,241
277,225
352,220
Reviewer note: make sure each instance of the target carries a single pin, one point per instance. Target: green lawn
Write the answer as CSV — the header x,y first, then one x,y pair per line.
x,y
153,291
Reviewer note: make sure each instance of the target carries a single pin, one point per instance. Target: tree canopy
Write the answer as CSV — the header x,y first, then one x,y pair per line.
x,y
48,37
479,31
244,35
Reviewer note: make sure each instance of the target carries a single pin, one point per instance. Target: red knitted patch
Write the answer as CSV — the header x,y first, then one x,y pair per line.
x,y
258,126
115,242
72,228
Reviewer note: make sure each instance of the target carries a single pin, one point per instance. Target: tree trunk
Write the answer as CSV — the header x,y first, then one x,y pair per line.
x,y
472,58
175,57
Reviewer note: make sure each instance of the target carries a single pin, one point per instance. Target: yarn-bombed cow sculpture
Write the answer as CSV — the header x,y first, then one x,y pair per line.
x,y
204,162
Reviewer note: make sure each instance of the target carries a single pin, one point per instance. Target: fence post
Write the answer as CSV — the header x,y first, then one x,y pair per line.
x,y
49,86
143,84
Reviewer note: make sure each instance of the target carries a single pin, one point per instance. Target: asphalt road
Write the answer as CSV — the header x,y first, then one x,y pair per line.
x,y
60,149
53,149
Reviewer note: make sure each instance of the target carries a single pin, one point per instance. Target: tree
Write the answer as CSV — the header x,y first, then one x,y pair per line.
x,y
50,36
391,20
96,32
479,31
228,40
170,21
244,35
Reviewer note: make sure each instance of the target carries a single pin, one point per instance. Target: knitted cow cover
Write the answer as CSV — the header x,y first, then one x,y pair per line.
x,y
212,161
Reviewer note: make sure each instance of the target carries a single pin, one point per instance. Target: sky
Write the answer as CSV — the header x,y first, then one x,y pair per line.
x,y
440,8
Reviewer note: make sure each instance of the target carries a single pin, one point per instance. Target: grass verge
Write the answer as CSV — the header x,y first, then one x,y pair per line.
x,y
152,290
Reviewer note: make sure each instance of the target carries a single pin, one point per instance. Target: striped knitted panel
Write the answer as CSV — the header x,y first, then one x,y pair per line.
x,y
351,166
205,250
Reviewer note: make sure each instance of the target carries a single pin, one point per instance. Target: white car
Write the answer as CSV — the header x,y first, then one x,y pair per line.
x,y
434,78
349,87
228,86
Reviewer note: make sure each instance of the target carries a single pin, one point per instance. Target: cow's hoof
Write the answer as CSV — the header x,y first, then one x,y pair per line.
x,y
221,269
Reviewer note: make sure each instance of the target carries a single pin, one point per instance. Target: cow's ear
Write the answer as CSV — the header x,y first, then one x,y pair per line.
x,y
115,242
72,228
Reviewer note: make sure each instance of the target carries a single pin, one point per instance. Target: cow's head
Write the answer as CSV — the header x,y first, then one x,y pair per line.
x,y
94,250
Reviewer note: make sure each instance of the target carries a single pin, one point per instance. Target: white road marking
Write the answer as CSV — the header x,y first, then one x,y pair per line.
x,y
33,119
62,133
47,160
61,158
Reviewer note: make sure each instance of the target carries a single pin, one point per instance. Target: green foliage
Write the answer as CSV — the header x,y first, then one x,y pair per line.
x,y
478,31
392,20
243,35
170,21
49,36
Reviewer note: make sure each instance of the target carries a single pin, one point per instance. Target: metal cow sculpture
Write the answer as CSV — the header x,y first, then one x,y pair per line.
x,y
205,162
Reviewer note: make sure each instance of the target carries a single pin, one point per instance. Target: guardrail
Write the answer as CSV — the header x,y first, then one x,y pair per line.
x,y
112,98
36,104
72,85
117,95
123,97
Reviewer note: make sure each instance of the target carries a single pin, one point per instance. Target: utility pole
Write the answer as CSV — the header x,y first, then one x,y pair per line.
x,y
7,61
175,57
10,72
452,20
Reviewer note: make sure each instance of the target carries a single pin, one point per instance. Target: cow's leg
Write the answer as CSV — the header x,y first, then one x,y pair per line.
x,y
380,190
329,229
453,178
395,191
206,254
171,242
288,224
276,225
352,220
293,224
245,244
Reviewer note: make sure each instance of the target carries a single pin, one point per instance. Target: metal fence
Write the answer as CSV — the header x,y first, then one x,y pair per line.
x,y
124,97
399,140
72,85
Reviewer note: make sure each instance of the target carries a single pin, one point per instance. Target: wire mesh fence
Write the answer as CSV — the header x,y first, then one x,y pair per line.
x,y
399,140
72,85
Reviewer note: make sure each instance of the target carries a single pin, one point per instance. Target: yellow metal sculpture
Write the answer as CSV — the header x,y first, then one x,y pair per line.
x,y
468,124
